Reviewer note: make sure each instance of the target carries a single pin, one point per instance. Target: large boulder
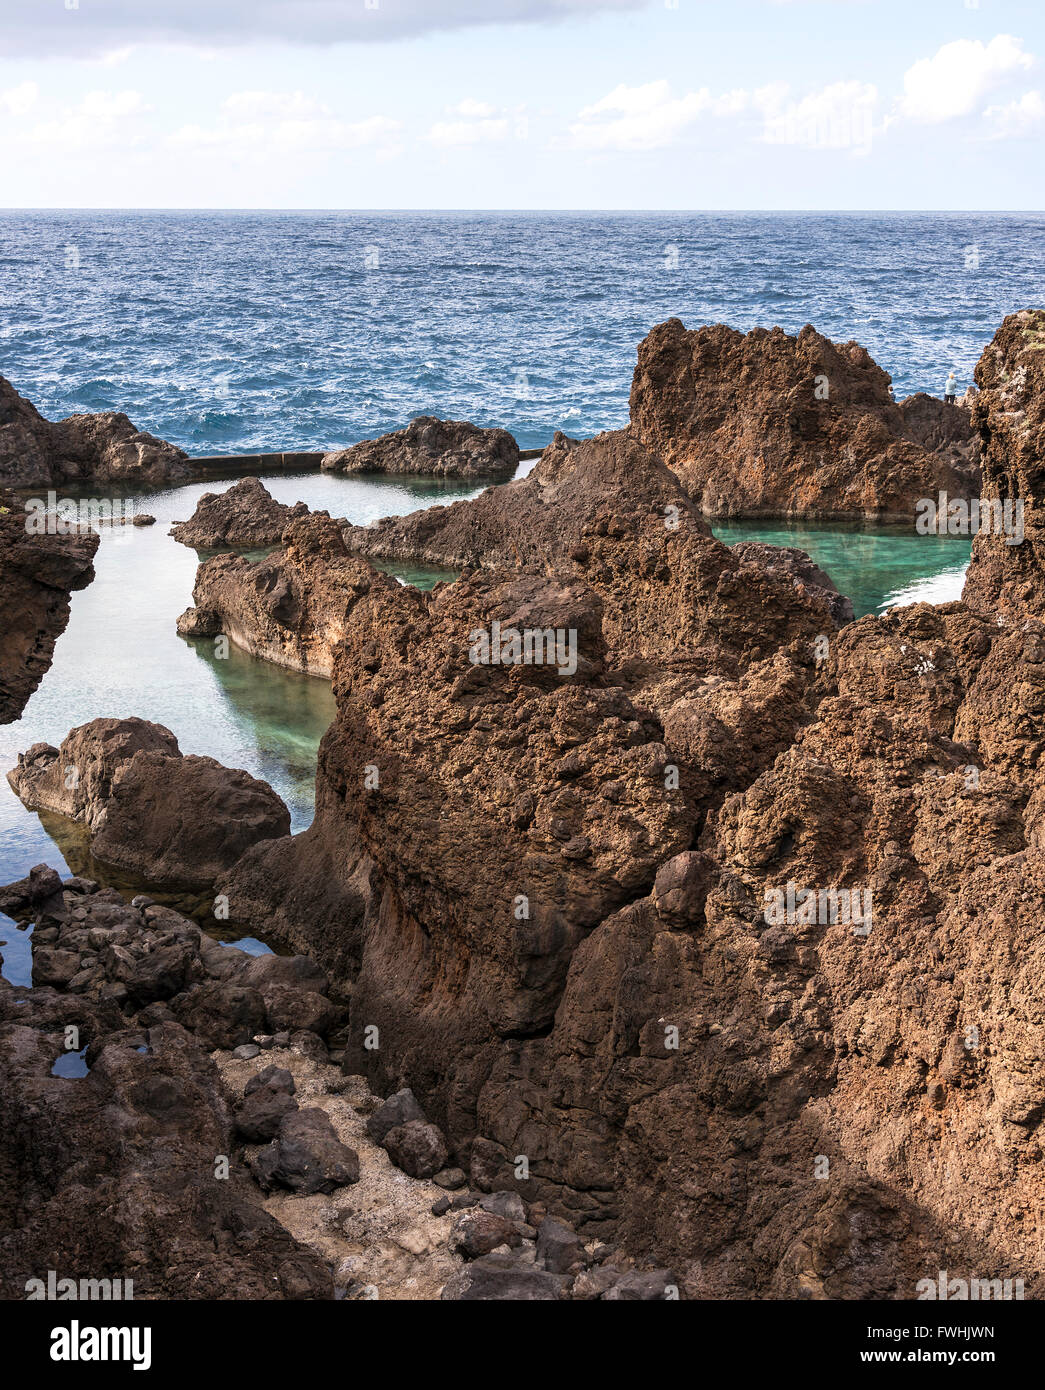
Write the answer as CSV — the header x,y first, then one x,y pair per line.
x,y
176,822
246,514
433,448
765,424
306,1156
103,448
37,575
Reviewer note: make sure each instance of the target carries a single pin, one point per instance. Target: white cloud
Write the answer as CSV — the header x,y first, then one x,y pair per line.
x,y
647,117
20,100
1015,119
839,116
449,133
959,76
259,105
46,28
256,139
473,110
102,120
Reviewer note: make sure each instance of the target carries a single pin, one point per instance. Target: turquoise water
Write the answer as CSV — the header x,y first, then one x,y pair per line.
x,y
122,656
876,568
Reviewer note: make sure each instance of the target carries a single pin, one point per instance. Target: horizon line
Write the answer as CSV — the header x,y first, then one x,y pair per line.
x,y
545,212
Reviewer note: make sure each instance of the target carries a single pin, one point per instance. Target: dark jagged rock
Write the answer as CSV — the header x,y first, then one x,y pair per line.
x,y
306,1157
763,424
37,575
246,514
1004,577
536,521
101,449
122,1163
499,1278
178,822
435,448
418,1148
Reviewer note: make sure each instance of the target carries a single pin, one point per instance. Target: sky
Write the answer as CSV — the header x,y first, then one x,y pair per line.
x,y
542,104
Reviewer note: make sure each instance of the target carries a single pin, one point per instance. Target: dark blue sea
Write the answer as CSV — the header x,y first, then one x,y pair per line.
x,y
228,332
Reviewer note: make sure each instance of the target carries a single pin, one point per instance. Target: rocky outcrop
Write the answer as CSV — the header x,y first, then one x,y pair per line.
x,y
291,607
103,449
433,448
1007,572
536,521
37,575
729,928
245,515
253,1172
171,821
764,424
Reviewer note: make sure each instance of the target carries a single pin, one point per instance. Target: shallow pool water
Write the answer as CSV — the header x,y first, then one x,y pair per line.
x,y
121,656
876,567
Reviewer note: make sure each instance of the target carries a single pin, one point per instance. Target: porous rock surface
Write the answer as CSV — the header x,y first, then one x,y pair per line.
x,y
765,424
554,902
434,448
176,822
38,573
245,514
104,448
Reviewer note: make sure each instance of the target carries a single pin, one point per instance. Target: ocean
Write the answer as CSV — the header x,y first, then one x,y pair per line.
x,y
239,332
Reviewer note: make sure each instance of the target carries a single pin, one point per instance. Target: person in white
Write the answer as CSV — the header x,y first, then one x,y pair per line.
x,y
950,389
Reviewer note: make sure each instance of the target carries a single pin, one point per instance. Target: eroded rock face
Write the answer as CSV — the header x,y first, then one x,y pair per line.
x,y
246,514
104,448
37,575
534,521
432,447
176,822
1009,413
763,424
572,954
291,607
603,516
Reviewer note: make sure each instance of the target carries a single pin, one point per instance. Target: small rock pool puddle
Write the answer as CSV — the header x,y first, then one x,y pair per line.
x,y
121,655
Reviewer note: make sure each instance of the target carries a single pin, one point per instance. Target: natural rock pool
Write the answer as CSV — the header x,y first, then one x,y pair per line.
x,y
121,655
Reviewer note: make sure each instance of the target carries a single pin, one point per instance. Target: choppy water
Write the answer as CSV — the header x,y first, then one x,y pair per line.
x,y
228,332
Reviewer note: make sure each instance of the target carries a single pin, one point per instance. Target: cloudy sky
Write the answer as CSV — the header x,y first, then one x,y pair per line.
x,y
630,104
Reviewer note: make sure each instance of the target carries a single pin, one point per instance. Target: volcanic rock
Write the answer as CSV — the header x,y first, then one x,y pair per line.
x,y
104,448
1007,575
245,515
123,1161
291,607
764,424
37,575
306,1157
175,821
436,448
418,1148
